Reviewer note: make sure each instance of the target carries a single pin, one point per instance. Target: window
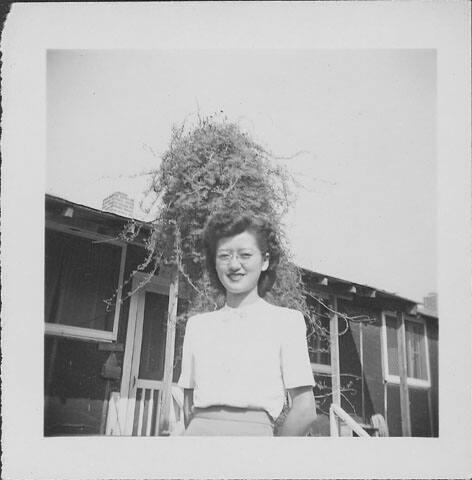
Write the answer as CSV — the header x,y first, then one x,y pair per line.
x,y
416,351
80,275
319,341
392,345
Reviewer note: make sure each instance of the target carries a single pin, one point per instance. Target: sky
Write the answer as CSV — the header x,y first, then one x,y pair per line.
x,y
363,123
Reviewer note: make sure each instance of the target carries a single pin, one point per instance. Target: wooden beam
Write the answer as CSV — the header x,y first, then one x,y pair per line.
x,y
111,347
430,414
334,353
348,420
166,396
333,422
105,406
361,359
403,373
68,212
366,292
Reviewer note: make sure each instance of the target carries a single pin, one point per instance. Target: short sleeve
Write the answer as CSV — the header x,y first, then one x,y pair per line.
x,y
295,362
187,375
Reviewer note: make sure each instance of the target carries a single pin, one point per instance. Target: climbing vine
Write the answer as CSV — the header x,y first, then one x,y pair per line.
x,y
212,165
207,167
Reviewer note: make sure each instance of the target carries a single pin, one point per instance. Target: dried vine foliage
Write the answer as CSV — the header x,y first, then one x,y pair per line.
x,y
210,167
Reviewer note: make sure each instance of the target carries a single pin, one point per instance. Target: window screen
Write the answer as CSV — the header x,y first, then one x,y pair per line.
x,y
80,275
151,366
416,352
415,337
392,345
318,337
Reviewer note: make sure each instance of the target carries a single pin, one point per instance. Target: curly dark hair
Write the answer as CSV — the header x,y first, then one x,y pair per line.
x,y
227,224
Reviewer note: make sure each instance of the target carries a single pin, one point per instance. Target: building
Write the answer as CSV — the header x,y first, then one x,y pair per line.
x,y
388,358
108,345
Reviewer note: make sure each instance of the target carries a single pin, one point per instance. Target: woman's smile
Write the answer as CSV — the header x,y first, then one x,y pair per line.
x,y
236,277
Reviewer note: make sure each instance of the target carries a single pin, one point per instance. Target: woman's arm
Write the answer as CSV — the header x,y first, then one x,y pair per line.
x,y
302,413
188,404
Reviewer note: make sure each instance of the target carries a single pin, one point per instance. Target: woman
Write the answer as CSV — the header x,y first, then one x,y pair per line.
x,y
239,362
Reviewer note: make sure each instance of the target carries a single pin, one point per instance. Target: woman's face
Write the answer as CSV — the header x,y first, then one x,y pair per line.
x,y
239,263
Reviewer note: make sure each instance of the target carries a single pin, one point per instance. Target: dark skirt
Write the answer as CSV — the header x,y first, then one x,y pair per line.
x,y
230,421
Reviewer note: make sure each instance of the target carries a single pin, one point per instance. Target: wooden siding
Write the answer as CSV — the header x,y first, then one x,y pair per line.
x,y
371,370
423,401
394,415
373,366
432,332
419,412
351,372
74,390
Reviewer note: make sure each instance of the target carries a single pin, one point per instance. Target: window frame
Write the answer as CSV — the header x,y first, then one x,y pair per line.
x,y
316,367
395,379
82,333
325,368
321,368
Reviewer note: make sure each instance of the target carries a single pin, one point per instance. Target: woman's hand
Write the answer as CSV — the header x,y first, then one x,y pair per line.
x,y
302,413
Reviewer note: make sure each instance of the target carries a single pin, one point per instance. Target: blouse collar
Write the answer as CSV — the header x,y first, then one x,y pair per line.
x,y
244,310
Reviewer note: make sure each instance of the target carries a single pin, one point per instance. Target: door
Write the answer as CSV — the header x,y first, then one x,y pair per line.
x,y
144,362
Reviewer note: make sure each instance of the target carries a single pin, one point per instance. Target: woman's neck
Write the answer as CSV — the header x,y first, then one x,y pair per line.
x,y
236,300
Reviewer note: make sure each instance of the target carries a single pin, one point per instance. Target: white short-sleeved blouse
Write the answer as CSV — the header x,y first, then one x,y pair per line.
x,y
245,357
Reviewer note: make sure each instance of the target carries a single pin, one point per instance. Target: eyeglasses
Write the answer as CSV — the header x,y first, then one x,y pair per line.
x,y
227,257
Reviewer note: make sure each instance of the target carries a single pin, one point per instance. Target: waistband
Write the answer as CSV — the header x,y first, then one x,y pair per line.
x,y
236,414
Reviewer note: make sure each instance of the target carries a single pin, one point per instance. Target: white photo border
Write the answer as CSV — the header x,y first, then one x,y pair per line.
x,y
32,29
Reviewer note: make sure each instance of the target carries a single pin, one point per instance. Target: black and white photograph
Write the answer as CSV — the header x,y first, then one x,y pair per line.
x,y
215,145
237,237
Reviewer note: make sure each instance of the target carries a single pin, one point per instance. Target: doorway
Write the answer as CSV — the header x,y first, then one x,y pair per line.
x,y
144,360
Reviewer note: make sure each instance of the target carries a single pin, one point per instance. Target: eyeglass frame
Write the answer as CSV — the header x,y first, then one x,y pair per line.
x,y
238,256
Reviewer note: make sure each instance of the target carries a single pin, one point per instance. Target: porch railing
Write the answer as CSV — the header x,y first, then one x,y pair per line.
x,y
146,413
335,413
113,425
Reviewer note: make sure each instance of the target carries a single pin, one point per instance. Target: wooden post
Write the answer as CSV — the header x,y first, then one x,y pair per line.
x,y
403,373
361,355
333,422
166,394
430,414
105,406
334,350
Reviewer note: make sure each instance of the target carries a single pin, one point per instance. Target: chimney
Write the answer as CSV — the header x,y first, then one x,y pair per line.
x,y
120,204
430,302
